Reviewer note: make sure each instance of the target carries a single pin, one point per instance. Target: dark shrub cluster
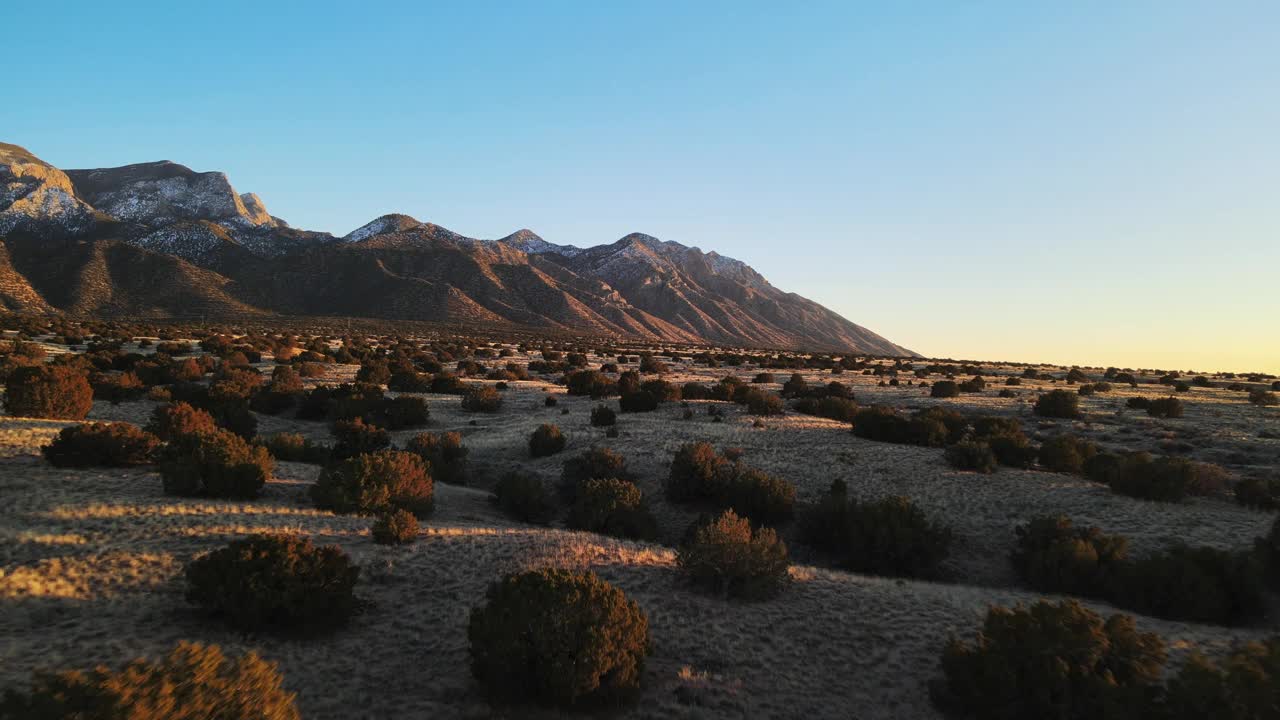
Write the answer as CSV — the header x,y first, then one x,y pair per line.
x,y
610,506
944,389
280,394
1168,479
482,398
398,527
193,682
1066,453
275,583
890,536
763,403
1051,660
1258,396
376,483
48,391
1053,556
592,383
355,437
1263,494
169,422
700,474
638,401
524,497
602,416
558,637
970,455
598,462
445,455
546,440
293,447
835,408
1169,407
1058,404
726,557
218,464
1196,584
101,444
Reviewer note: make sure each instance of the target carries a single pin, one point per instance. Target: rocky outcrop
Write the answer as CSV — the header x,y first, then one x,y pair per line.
x,y
162,193
36,197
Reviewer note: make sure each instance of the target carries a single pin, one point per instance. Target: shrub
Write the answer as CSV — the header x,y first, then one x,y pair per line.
x,y
445,455
558,637
1165,408
1066,453
638,401
1259,396
482,398
116,388
944,389
611,507
1058,404
594,463
975,456
193,682
697,473
354,437
763,403
546,440
727,558
1244,686
101,444
280,394
398,527
835,408
759,497
1167,479
293,447
1138,403
592,383
218,464
169,422
524,497
275,582
376,483
1051,660
403,411
602,416
884,537
1197,584
48,391
1258,493
1054,557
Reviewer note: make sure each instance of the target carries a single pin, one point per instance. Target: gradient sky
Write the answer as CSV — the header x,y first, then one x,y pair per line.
x,y
1072,182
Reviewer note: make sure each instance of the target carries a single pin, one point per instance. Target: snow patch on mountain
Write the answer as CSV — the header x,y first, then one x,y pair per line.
x,y
35,196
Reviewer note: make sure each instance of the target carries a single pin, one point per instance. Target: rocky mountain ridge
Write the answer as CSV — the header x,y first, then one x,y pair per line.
x,y
160,239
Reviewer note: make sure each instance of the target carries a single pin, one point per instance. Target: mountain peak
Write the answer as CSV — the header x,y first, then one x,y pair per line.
x,y
389,223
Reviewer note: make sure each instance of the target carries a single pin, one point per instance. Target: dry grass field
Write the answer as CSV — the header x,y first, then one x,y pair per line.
x,y
91,560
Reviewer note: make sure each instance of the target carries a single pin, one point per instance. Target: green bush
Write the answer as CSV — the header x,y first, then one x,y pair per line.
x,y
727,558
884,537
445,455
398,527
944,389
355,437
293,447
638,401
48,391
193,682
602,416
169,422
524,497
218,464
402,411
558,637
101,444
1169,407
1066,453
763,403
598,462
1197,584
1258,396
1258,493
610,506
1052,556
269,583
482,398
975,456
1058,404
759,496
1166,479
1244,686
546,440
698,473
1059,661
835,408
375,483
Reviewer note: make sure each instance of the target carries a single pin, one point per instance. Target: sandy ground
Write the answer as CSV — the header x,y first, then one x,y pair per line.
x,y
92,560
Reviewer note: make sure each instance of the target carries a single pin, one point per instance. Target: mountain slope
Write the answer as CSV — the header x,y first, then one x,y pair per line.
x,y
161,239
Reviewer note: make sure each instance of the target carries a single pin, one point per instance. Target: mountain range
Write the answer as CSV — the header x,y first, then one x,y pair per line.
x,y
161,240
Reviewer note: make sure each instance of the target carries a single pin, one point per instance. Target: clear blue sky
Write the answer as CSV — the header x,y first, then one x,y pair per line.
x,y
1075,182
